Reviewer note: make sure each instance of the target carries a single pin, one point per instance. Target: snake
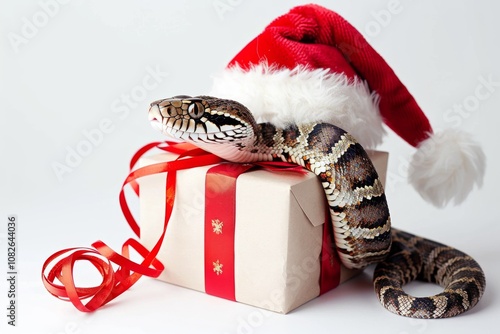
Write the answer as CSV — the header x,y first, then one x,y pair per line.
x,y
354,193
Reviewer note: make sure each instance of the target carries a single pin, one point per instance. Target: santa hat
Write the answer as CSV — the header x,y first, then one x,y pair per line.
x,y
311,65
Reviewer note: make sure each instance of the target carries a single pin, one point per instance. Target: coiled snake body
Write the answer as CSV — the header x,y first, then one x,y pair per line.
x,y
358,207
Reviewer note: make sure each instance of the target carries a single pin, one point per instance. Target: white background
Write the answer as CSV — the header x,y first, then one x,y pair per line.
x,y
75,69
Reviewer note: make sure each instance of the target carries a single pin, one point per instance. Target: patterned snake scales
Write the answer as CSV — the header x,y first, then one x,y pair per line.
x,y
355,195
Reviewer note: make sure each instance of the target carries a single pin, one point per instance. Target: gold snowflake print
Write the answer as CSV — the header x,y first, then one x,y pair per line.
x,y
217,267
217,226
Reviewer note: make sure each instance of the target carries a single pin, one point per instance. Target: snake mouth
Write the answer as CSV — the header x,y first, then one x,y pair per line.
x,y
201,129
154,112
155,118
157,125
201,134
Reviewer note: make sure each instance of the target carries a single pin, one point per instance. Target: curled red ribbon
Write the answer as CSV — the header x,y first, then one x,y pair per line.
x,y
101,256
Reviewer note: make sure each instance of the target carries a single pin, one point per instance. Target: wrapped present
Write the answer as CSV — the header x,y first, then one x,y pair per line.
x,y
251,235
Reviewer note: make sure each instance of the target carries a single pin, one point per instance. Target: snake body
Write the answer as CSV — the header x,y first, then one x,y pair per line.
x,y
355,195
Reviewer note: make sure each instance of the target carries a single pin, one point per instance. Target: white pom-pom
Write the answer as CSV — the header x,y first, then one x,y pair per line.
x,y
446,167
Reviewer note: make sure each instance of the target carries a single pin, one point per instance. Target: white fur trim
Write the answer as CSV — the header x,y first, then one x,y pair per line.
x,y
446,167
301,95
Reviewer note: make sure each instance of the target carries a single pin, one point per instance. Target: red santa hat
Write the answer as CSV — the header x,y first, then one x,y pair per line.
x,y
311,65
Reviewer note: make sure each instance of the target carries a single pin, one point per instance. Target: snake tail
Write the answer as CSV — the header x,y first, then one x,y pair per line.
x,y
413,257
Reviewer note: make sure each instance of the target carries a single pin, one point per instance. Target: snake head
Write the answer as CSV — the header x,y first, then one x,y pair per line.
x,y
203,120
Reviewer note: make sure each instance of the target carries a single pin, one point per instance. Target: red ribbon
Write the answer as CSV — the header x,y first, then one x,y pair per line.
x,y
220,226
128,273
330,261
59,266
220,209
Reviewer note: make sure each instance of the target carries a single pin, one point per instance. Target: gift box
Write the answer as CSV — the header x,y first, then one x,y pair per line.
x,y
270,248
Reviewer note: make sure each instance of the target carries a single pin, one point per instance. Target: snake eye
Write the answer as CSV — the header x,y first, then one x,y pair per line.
x,y
196,110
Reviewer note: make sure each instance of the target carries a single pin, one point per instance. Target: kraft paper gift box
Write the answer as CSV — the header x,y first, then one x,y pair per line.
x,y
278,236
